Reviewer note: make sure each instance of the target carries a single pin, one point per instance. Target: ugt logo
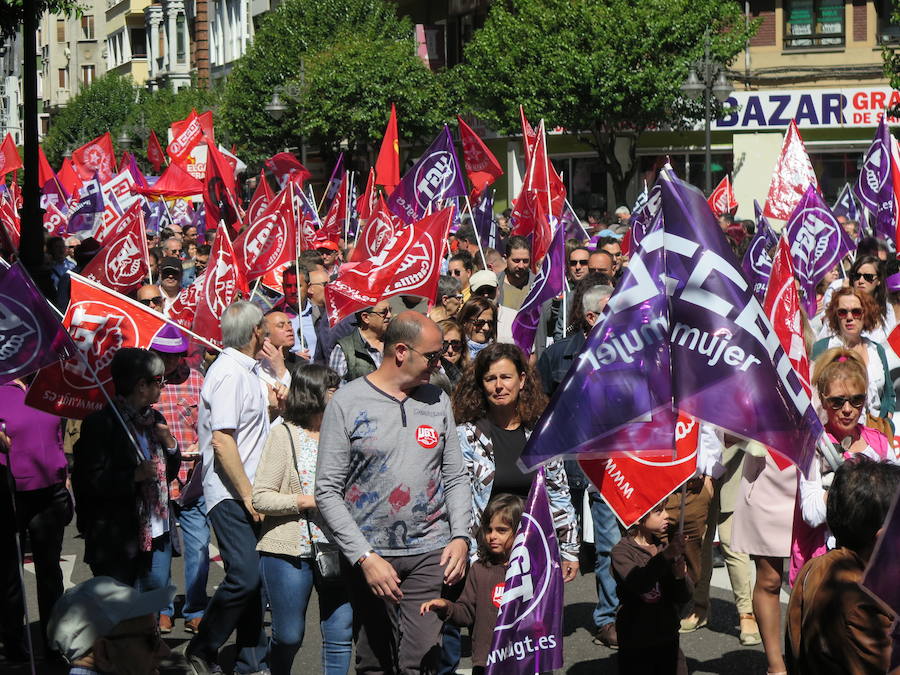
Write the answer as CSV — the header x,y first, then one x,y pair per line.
x,y
18,328
434,177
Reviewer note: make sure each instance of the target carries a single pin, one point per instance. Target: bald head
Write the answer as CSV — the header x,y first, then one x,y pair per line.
x,y
409,328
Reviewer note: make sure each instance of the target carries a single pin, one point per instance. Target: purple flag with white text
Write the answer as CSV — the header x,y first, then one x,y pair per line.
x,y
90,202
547,285
528,635
846,205
436,176
484,223
875,187
757,262
31,335
818,244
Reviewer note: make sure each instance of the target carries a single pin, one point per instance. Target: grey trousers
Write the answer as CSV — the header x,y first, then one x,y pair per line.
x,y
394,639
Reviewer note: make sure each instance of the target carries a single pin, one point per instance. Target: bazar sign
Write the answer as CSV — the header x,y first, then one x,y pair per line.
x,y
811,108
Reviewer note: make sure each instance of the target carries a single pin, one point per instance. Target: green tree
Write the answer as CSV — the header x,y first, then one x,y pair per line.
x,y
348,87
12,12
892,55
105,105
604,69
288,36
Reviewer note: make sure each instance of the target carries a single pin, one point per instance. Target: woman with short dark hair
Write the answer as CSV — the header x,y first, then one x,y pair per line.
x,y
292,531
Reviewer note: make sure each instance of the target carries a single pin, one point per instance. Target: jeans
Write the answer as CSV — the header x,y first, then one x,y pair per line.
x,y
195,533
289,582
606,535
159,575
238,603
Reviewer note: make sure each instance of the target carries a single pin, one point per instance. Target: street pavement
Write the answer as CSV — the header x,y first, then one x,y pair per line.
x,y
714,649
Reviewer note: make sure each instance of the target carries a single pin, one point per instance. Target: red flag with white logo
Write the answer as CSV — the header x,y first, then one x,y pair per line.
x,y
9,222
722,198
286,168
96,155
377,232
155,153
366,204
481,165
122,262
224,283
184,308
409,264
261,199
9,156
55,221
632,484
185,137
336,218
101,322
271,239
793,174
219,192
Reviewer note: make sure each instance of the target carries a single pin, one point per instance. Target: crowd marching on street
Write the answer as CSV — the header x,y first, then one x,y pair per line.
x,y
434,416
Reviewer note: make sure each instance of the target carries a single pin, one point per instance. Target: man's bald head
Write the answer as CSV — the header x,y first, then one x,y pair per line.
x,y
409,328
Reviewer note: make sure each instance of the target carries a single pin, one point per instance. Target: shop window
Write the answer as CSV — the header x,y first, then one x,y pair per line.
x,y
888,30
813,23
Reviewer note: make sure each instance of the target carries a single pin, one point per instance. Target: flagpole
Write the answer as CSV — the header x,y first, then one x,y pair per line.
x,y
347,207
475,229
578,220
297,269
146,248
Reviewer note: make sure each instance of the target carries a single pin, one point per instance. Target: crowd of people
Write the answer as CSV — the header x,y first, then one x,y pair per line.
x,y
376,462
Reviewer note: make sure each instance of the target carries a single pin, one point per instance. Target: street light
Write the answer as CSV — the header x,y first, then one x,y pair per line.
x,y
124,140
276,107
707,78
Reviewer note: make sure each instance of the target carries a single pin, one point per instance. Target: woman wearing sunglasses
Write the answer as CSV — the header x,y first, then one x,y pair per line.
x,y
839,377
479,319
850,317
456,353
867,275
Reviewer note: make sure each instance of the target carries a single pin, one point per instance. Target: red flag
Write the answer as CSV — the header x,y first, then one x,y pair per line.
x,y
15,192
9,156
224,283
118,223
101,322
272,278
9,222
122,262
270,240
387,166
261,199
96,155
69,178
219,194
184,308
793,174
45,171
481,165
377,232
175,181
286,167
895,174
529,135
155,153
409,264
206,125
336,218
722,198
55,221
366,203
186,135
632,484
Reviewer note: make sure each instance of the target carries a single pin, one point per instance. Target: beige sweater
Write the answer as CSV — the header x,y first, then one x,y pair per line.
x,y
275,489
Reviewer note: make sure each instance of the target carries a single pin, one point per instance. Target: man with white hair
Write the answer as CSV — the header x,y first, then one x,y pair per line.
x,y
233,427
623,220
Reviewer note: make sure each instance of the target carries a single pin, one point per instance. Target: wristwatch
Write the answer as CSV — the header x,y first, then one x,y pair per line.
x,y
364,556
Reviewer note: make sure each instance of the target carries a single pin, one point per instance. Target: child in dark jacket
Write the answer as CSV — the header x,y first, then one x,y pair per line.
x,y
652,586
477,605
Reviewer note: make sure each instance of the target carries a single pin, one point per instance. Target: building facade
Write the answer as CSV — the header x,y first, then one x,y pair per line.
x,y
169,59
11,59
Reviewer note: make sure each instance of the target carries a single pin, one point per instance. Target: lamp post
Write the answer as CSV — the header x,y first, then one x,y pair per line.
x,y
707,78
124,140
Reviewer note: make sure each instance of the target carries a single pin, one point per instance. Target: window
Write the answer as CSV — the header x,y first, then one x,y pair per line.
x,y
181,39
63,78
813,23
888,31
60,30
138,43
87,27
87,75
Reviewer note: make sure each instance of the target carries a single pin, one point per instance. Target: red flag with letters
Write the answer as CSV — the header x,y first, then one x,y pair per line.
x,y
793,174
223,284
722,198
184,309
481,165
387,166
55,221
261,199
271,239
9,156
186,135
377,232
101,322
155,153
9,222
122,262
96,155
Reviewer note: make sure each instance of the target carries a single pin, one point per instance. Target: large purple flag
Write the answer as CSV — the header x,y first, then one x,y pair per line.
x,y
572,225
484,223
875,187
31,335
528,636
436,176
727,364
757,262
547,285
818,244
90,202
883,570
846,205
54,193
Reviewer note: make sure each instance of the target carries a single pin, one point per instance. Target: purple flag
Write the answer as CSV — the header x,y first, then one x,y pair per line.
x,y
818,243
54,193
572,224
875,187
198,220
846,205
182,213
485,225
547,285
757,263
334,183
435,176
528,636
136,172
883,570
31,335
90,202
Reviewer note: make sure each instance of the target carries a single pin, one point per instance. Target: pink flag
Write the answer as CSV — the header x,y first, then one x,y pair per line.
x,y
793,174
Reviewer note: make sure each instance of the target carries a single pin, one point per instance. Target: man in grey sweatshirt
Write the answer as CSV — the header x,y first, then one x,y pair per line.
x,y
392,487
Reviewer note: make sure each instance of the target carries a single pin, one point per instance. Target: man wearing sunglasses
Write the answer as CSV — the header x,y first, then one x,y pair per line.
x,y
360,353
150,296
170,276
388,440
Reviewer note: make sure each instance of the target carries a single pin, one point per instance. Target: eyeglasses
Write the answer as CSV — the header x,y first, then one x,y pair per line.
x,y
147,302
151,640
577,263
856,276
838,402
456,273
455,345
383,313
430,357
856,312
478,324
325,251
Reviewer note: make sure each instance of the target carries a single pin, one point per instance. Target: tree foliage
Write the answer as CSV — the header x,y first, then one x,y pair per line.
x,y
157,109
288,36
892,54
608,69
12,12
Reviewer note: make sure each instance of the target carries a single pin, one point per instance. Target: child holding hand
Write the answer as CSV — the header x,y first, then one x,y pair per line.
x,y
477,605
652,586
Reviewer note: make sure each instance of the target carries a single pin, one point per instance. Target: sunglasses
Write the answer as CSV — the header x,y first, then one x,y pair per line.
x,y
325,251
147,302
478,324
837,402
856,312
431,357
455,345
578,263
170,273
383,313
456,273
856,276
